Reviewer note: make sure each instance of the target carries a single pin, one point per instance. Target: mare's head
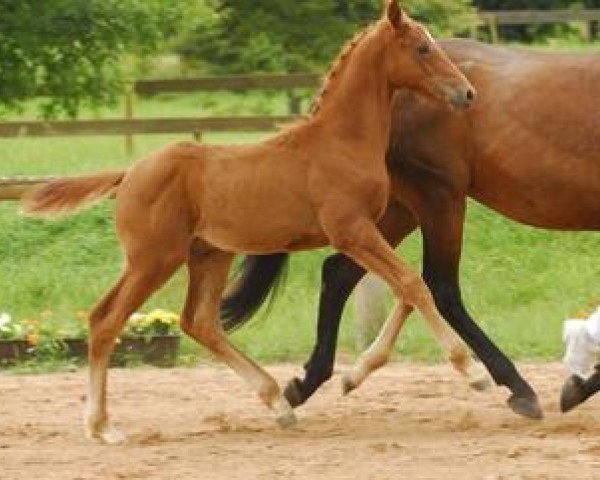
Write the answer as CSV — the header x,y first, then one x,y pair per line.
x,y
415,61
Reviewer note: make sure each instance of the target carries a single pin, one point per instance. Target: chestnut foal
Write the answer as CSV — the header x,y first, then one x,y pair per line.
x,y
320,182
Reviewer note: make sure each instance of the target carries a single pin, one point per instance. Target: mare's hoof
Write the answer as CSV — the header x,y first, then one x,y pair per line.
x,y
293,392
572,394
287,420
527,406
347,384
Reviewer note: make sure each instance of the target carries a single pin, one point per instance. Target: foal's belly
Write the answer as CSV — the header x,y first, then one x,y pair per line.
x,y
258,242
269,229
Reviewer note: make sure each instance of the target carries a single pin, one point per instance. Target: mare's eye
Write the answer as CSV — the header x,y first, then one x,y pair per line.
x,y
423,49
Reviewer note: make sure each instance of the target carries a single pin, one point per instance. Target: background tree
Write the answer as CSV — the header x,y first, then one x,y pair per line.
x,y
266,36
71,51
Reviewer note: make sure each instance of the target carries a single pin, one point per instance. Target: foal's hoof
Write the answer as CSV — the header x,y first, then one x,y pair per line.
x,y
293,392
481,384
287,420
107,435
527,406
572,394
347,384
479,378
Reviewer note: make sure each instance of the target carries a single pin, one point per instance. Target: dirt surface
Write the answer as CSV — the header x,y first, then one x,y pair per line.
x,y
408,421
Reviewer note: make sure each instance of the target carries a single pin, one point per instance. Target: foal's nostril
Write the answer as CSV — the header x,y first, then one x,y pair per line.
x,y
462,97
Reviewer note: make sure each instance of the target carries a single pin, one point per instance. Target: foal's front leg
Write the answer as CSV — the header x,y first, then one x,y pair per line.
x,y
360,239
379,352
208,271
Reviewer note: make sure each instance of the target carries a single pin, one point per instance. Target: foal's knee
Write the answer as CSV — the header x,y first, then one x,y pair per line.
x,y
414,291
208,335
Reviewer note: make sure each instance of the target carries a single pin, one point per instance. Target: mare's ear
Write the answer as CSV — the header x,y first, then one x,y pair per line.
x,y
395,15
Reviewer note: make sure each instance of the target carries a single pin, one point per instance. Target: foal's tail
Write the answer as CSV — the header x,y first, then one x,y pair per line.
x,y
259,277
65,195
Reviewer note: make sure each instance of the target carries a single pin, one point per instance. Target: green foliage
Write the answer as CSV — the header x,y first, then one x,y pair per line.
x,y
523,4
265,36
443,17
71,51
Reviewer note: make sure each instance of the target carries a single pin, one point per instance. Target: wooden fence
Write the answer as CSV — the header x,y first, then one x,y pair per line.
x,y
129,126
15,188
492,20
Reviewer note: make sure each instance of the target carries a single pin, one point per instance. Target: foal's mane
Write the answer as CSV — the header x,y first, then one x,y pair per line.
x,y
338,65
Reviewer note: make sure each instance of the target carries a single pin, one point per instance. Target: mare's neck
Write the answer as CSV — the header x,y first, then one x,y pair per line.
x,y
357,109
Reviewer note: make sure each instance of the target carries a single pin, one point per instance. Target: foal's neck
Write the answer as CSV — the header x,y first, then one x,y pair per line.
x,y
358,103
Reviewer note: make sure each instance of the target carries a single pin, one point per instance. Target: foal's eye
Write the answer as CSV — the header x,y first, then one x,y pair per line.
x,y
423,49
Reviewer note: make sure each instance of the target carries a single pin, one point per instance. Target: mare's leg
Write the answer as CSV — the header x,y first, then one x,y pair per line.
x,y
136,284
339,276
441,217
208,269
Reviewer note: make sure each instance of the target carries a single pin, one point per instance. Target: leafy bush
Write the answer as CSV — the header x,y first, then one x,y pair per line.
x,y
71,51
265,36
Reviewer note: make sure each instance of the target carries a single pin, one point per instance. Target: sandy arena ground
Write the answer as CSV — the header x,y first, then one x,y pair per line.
x,y
408,421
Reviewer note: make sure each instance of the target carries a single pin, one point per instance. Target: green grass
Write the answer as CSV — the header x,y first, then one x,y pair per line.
x,y
518,282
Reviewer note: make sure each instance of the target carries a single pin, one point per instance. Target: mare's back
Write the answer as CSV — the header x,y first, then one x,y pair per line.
x,y
523,97
533,133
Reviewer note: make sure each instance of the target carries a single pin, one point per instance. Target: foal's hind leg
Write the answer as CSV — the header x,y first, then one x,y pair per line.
x,y
208,271
106,322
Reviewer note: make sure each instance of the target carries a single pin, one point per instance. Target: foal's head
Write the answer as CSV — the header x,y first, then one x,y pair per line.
x,y
415,61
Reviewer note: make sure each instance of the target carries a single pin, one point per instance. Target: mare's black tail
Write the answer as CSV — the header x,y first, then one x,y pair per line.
x,y
260,276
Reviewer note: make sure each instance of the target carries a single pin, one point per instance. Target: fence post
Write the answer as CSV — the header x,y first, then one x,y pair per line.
x,y
493,26
294,102
473,31
592,30
129,116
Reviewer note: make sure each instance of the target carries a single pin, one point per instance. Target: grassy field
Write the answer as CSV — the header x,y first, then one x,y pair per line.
x,y
518,282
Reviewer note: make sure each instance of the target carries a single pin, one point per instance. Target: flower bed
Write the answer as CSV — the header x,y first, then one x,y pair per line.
x,y
158,350
148,338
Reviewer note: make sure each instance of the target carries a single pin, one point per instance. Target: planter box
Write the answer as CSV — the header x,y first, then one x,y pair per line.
x,y
159,350
14,350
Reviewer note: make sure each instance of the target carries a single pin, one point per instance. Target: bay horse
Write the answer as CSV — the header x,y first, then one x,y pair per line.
x,y
322,181
529,149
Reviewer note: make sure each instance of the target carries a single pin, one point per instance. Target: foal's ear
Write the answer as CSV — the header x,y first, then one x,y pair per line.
x,y
395,14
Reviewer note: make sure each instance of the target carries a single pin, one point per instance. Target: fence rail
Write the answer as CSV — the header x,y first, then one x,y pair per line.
x,y
493,19
232,83
536,17
142,126
14,188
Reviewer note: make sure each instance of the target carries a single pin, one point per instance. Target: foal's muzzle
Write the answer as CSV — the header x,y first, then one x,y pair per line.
x,y
461,97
